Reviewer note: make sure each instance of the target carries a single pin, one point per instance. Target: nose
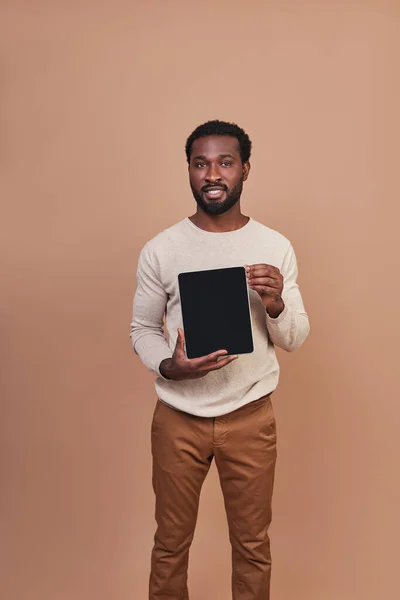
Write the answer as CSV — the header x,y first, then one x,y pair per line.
x,y
213,174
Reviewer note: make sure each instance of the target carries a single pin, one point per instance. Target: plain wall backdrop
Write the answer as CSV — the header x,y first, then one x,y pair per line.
x,y
97,99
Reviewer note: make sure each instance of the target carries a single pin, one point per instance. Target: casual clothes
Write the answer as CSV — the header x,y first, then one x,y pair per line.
x,y
226,415
185,247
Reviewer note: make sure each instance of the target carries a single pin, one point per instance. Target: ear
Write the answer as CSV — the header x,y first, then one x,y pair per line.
x,y
246,170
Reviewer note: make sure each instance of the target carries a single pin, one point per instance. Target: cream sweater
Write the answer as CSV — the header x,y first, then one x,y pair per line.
x,y
185,247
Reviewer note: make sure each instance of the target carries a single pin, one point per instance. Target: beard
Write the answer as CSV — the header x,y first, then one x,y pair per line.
x,y
217,207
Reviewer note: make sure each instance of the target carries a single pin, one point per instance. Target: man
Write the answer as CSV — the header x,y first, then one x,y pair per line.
x,y
217,406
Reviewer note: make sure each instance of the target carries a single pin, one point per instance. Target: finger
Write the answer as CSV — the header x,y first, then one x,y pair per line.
x,y
209,359
266,281
221,363
264,272
180,342
261,270
266,291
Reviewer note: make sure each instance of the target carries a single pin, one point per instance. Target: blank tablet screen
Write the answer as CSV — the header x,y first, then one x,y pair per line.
x,y
215,311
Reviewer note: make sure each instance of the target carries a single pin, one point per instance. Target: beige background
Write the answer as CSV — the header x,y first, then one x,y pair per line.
x,y
97,100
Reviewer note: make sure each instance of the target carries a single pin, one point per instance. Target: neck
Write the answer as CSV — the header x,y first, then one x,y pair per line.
x,y
229,221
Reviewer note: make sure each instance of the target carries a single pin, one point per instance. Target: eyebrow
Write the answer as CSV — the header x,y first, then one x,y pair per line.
x,y
202,157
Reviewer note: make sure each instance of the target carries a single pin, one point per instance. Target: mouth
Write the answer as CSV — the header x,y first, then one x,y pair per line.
x,y
214,193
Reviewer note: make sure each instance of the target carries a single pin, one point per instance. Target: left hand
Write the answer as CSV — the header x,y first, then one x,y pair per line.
x,y
267,281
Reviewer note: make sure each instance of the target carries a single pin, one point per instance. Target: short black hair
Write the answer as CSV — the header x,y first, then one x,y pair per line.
x,y
221,128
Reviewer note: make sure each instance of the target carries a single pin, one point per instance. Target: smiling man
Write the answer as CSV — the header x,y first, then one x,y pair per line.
x,y
217,406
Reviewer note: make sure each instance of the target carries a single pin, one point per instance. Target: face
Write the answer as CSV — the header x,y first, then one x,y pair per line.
x,y
216,173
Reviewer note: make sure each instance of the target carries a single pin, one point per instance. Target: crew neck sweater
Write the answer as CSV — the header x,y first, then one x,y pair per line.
x,y
157,313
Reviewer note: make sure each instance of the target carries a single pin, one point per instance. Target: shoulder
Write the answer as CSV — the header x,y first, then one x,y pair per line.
x,y
270,236
163,242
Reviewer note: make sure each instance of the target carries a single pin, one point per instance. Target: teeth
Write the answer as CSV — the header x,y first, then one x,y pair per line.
x,y
214,192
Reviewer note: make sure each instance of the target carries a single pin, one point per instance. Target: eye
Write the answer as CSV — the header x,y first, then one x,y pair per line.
x,y
226,163
200,165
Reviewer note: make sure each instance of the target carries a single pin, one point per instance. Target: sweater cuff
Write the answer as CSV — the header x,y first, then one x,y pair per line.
x,y
282,318
152,356
159,372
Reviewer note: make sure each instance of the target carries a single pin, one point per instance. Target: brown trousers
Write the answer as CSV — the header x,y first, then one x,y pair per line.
x,y
243,443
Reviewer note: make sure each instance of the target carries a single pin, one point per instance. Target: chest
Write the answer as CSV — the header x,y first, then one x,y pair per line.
x,y
200,256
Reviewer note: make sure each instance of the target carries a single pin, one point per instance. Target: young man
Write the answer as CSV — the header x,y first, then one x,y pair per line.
x,y
216,406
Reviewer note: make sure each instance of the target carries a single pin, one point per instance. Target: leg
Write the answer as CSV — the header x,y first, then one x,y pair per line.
x,y
182,455
246,459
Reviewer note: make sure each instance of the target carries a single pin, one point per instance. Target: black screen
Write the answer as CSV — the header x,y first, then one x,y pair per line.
x,y
215,311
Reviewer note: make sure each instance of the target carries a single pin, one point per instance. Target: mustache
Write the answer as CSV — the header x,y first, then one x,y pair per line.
x,y
218,186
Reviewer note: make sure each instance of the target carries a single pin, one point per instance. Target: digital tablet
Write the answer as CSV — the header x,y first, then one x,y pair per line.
x,y
216,311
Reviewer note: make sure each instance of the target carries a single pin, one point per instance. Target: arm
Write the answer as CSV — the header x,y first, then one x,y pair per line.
x,y
148,337
147,332
291,327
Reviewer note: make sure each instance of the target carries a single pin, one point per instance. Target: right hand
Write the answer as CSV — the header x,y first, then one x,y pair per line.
x,y
180,367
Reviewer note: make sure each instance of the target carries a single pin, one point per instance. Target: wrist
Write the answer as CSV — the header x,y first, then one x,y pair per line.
x,y
276,310
165,368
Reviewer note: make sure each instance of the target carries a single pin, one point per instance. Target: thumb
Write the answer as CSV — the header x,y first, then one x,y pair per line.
x,y
180,342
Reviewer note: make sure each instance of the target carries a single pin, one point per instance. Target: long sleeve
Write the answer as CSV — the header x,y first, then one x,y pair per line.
x,y
157,313
290,329
147,332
